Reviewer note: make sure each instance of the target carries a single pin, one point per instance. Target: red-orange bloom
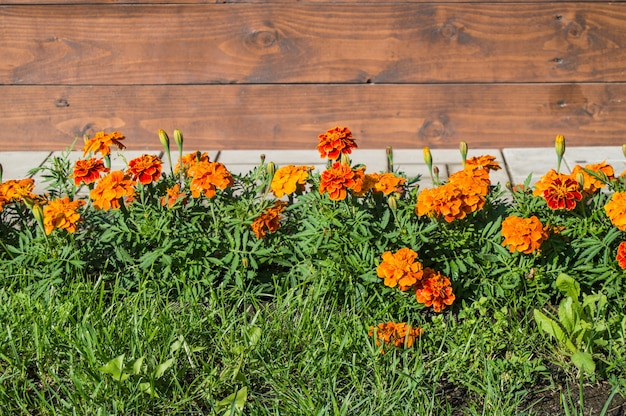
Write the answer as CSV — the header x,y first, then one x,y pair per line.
x,y
88,171
339,178
289,180
563,193
145,169
621,255
523,234
102,142
592,184
335,142
434,290
61,213
399,334
616,210
172,196
206,177
400,268
269,220
110,189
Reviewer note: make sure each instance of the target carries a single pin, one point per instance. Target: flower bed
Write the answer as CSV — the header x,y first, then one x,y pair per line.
x,y
411,263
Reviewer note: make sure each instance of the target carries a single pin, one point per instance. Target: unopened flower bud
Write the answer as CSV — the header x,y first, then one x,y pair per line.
x,y
463,150
262,158
345,159
271,169
178,138
245,262
624,149
164,139
580,178
1,172
559,145
428,157
38,214
392,201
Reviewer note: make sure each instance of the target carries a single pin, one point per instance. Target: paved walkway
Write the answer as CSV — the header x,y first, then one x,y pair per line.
x,y
517,163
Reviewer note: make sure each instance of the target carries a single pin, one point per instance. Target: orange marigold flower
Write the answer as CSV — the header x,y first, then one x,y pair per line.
x,y
400,268
487,162
102,142
523,234
445,201
191,159
335,142
15,190
269,220
616,210
61,213
206,177
289,180
562,193
434,290
388,183
369,181
145,169
110,189
88,171
172,196
592,184
399,334
621,255
339,178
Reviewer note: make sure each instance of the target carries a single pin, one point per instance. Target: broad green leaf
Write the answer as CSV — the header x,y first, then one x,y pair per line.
x,y
147,388
162,368
234,403
253,335
568,317
138,364
568,286
115,368
553,329
584,361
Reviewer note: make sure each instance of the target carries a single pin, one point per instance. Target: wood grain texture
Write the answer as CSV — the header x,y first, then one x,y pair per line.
x,y
160,44
291,116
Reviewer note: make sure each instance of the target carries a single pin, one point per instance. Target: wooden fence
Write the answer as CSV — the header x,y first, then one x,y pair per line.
x,y
275,74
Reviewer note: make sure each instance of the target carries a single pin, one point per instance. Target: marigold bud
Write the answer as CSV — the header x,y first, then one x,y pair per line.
x,y
164,139
580,178
463,150
38,214
559,145
624,149
1,172
271,170
428,157
245,262
178,138
345,159
392,201
389,152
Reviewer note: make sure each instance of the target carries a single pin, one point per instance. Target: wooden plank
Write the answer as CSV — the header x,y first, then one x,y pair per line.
x,y
291,116
312,43
54,2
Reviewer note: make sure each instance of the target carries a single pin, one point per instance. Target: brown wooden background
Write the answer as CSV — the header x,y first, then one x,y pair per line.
x,y
275,74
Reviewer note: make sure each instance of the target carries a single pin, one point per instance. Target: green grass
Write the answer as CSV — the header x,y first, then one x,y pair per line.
x,y
296,350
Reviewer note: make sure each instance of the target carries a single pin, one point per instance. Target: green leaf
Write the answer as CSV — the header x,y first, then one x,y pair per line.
x,y
162,368
253,335
568,286
115,368
234,403
138,364
567,316
148,389
584,361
